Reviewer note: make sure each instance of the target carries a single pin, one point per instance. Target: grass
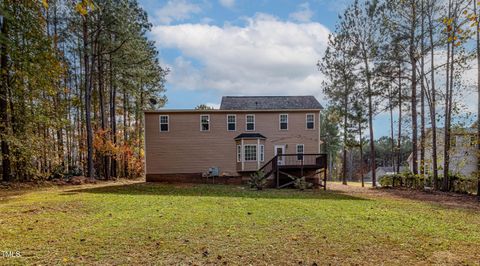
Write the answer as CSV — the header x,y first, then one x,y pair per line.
x,y
214,224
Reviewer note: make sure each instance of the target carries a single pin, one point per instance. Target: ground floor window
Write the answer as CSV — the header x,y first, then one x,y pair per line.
x,y
250,152
300,151
239,153
262,153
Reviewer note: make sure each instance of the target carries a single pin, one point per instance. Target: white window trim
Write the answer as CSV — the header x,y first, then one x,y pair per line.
x,y
303,150
234,123
306,121
280,122
239,153
246,122
245,154
160,123
209,123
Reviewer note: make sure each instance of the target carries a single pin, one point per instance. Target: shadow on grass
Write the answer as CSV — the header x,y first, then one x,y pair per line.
x,y
204,190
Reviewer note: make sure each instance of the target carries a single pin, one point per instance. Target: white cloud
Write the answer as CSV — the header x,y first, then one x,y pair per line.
x,y
227,3
176,10
266,56
303,13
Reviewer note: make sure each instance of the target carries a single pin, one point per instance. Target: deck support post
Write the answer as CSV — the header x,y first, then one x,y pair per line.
x,y
277,173
325,178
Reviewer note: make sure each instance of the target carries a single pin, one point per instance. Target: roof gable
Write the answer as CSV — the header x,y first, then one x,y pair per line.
x,y
269,102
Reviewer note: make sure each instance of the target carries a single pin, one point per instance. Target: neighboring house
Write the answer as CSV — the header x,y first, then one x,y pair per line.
x,y
384,171
463,152
237,139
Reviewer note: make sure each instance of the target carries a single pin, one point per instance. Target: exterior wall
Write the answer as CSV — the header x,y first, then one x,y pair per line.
x,y
186,149
463,159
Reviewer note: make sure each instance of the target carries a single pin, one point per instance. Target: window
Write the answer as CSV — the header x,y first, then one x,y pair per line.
x,y
231,122
310,121
262,153
300,150
453,141
164,123
250,119
250,152
473,141
204,123
283,122
239,153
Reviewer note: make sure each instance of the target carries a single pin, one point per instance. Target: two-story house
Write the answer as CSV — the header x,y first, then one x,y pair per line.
x,y
246,134
463,152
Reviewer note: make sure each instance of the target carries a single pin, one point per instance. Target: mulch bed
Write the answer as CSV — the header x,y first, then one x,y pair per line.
x,y
447,199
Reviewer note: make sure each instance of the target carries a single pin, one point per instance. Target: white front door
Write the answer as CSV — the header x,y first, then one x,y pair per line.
x,y
279,150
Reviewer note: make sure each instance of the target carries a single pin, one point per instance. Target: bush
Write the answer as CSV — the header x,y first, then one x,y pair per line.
x,y
301,183
408,180
58,172
257,180
462,184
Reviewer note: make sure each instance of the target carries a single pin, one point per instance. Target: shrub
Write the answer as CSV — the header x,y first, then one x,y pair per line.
x,y
257,180
58,172
463,184
301,183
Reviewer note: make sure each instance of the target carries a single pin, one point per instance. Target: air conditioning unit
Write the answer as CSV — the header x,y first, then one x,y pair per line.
x,y
213,171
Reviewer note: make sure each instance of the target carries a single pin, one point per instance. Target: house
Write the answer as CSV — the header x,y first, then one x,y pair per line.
x,y
463,152
245,135
382,171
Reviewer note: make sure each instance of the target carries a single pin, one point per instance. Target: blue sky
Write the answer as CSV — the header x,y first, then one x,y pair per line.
x,y
240,47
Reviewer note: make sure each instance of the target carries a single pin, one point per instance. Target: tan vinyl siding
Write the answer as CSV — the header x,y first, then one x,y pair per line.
x,y
186,149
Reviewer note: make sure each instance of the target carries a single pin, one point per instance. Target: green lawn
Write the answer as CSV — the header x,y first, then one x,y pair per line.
x,y
214,224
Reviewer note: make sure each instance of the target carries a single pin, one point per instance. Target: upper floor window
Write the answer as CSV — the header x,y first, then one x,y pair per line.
x,y
283,122
204,123
231,122
300,151
250,120
310,121
164,123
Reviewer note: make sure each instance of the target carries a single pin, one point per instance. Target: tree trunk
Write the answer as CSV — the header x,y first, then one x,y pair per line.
x,y
478,97
361,153
433,111
422,95
370,119
125,133
392,141
413,61
447,136
345,136
101,91
113,96
6,171
399,144
88,92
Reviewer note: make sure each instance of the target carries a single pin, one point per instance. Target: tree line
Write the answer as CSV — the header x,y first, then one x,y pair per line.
x,y
406,59
75,77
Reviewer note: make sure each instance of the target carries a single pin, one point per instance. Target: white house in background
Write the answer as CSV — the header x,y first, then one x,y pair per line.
x,y
463,152
382,171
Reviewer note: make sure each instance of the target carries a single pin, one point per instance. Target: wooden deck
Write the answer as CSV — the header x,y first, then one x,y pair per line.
x,y
295,166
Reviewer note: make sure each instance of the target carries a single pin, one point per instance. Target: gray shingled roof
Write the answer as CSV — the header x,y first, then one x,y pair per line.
x,y
269,102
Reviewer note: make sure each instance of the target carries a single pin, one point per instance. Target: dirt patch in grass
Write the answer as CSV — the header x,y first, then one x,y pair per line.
x,y
447,199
